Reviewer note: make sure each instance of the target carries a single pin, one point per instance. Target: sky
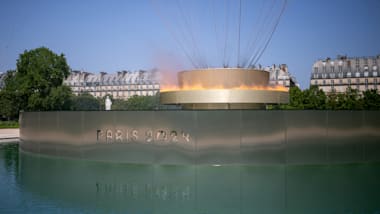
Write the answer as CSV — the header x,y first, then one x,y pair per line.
x,y
100,35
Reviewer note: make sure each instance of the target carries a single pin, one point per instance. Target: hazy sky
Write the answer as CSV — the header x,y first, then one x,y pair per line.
x,y
129,34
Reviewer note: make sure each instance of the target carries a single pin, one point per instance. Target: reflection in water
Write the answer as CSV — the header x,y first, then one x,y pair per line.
x,y
77,186
9,156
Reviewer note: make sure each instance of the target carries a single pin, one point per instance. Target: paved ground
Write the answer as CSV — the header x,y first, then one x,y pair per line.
x,y
9,135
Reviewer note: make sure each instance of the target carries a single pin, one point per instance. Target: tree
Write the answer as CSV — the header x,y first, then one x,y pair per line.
x,y
143,103
295,99
314,98
371,100
10,97
119,104
332,101
37,82
8,105
136,103
60,98
349,100
85,102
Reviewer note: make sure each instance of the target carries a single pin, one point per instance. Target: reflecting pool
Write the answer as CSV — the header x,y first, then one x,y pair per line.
x,y
38,184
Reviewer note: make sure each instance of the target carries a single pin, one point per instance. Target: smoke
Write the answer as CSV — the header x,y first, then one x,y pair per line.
x,y
168,66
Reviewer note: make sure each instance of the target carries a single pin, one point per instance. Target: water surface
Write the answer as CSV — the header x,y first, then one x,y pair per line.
x,y
37,184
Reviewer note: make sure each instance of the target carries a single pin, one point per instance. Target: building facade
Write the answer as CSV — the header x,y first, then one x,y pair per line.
x,y
120,85
279,75
336,75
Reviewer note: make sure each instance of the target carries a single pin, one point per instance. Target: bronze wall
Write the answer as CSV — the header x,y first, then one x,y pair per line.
x,y
205,137
223,78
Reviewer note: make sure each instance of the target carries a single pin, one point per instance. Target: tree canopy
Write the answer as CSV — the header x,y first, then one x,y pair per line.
x,y
314,98
137,103
36,84
84,102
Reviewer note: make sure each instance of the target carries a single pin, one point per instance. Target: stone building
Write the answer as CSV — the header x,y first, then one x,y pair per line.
x,y
336,75
279,75
121,85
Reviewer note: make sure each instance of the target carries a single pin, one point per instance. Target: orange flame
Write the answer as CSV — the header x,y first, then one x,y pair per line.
x,y
166,88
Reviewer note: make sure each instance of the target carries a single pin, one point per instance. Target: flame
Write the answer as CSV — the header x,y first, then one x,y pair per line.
x,y
166,88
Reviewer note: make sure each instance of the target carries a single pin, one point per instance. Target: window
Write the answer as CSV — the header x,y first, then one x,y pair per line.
x,y
332,82
315,82
324,82
340,81
349,81
349,74
357,81
374,61
315,69
332,75
366,74
357,74
374,73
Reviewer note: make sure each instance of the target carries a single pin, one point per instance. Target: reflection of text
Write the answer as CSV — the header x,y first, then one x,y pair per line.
x,y
148,136
145,191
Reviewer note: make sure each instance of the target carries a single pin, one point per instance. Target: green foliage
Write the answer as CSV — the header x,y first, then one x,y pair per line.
x,y
351,100
295,99
60,98
85,102
41,69
332,102
314,98
371,100
11,99
88,102
36,84
119,104
9,124
137,103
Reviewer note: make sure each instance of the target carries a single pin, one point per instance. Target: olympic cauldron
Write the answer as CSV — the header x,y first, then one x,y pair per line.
x,y
224,88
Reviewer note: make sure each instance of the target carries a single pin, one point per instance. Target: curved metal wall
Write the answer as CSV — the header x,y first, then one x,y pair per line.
x,y
205,137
